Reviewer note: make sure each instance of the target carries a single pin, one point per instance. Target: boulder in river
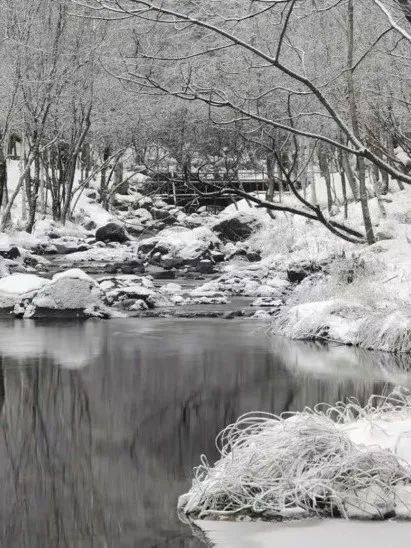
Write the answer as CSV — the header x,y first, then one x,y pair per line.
x,y
11,252
69,294
72,290
178,246
112,232
236,227
205,266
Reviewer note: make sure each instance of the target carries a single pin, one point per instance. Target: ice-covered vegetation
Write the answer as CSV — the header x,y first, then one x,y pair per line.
x,y
333,461
360,296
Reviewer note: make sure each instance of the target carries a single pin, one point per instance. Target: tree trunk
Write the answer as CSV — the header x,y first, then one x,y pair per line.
x,y
86,160
3,175
325,172
385,182
120,186
350,175
270,176
356,126
103,179
42,191
343,183
34,185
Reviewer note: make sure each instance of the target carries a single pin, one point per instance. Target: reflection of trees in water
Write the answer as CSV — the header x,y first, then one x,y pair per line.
x,y
191,414
49,495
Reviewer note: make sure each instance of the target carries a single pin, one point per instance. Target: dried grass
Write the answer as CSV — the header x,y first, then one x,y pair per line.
x,y
300,464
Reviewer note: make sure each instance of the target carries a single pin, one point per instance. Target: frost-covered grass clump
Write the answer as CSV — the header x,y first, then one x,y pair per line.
x,y
307,464
347,322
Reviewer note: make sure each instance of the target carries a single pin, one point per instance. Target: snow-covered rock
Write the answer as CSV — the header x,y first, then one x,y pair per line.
x,y
237,226
179,246
171,289
128,291
245,282
112,232
212,299
69,290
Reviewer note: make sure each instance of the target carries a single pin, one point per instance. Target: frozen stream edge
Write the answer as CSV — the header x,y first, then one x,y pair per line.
x,y
307,533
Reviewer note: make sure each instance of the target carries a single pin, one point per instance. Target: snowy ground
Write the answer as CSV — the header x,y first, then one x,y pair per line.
x,y
311,533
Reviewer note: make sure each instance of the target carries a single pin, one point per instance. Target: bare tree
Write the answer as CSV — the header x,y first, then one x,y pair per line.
x,y
218,50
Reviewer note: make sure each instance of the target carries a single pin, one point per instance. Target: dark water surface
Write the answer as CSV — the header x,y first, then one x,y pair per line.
x,y
102,422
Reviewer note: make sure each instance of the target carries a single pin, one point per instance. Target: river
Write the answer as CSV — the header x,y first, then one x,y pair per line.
x,y
103,421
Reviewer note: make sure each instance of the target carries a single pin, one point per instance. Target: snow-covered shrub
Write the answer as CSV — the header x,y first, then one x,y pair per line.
x,y
389,332
348,322
274,237
308,464
334,319
352,278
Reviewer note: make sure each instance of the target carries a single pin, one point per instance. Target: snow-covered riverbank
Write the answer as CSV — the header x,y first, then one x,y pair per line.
x,y
307,283
312,533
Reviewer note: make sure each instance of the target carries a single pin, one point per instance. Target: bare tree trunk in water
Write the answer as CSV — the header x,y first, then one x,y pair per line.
x,y
356,126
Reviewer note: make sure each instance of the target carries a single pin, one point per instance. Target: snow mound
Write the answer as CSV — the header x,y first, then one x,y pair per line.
x,y
337,461
20,284
16,287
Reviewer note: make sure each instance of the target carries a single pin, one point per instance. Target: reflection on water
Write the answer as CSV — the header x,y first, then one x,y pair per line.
x,y
102,422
